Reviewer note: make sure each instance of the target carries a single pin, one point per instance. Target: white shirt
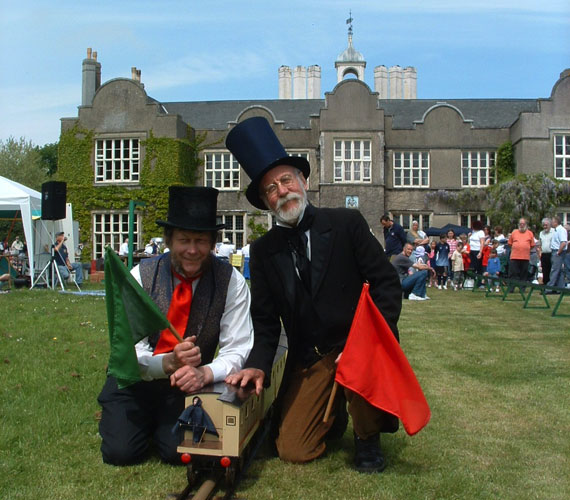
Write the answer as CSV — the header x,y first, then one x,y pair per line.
x,y
559,239
501,248
475,240
236,334
226,249
124,249
545,239
245,251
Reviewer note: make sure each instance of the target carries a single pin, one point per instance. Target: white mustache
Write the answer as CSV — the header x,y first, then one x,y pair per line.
x,y
287,198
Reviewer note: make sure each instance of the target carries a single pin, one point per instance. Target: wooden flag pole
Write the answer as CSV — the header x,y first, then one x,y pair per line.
x,y
330,403
174,332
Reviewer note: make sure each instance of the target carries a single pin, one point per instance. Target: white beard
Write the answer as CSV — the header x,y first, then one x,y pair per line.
x,y
291,215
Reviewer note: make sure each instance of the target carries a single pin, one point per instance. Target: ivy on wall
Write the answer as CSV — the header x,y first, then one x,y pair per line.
x,y
167,162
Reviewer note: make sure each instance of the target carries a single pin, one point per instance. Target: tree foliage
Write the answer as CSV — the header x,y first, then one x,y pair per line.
x,y
48,157
20,161
257,229
530,196
505,162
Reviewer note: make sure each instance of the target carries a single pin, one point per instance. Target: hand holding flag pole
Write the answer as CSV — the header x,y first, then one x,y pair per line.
x,y
374,366
174,332
131,315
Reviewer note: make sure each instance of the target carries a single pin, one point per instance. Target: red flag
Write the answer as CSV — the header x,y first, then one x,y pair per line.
x,y
374,366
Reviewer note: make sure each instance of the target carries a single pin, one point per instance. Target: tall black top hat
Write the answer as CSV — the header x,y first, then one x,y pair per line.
x,y
257,149
192,208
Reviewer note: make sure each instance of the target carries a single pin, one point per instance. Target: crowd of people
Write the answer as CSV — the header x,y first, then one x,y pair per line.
x,y
16,255
449,261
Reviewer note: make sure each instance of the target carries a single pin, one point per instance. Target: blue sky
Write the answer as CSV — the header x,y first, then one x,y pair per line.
x,y
214,50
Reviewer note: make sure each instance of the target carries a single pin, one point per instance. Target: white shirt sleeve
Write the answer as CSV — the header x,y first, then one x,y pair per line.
x,y
236,330
236,334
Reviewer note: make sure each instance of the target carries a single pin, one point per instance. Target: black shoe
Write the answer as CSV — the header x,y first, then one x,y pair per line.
x,y
368,456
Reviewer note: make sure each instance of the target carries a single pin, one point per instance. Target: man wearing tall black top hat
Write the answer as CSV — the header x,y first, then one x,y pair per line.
x,y
208,302
308,272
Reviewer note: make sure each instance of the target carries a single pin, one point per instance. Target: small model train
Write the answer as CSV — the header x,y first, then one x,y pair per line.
x,y
219,440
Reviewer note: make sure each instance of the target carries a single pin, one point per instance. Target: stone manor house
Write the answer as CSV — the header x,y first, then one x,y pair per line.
x,y
379,150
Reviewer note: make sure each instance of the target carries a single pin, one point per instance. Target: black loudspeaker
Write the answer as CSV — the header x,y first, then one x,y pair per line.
x,y
53,200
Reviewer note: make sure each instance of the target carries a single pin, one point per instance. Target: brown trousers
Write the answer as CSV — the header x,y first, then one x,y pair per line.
x,y
301,429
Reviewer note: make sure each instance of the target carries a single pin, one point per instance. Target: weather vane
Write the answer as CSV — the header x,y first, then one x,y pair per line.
x,y
349,22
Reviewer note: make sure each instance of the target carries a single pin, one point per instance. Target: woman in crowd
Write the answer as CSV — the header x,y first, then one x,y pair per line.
x,y
416,236
500,237
476,243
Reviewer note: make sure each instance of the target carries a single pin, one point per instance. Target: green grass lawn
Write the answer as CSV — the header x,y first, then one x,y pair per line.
x,y
496,378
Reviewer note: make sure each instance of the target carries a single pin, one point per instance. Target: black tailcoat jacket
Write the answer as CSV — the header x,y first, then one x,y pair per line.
x,y
344,254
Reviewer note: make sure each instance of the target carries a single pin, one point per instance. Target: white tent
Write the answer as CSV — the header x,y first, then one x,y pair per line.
x,y
16,197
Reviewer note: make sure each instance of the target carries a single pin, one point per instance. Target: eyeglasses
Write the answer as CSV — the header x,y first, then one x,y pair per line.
x,y
286,181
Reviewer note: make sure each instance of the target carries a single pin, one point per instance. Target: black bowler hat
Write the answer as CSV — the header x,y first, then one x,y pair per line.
x,y
192,209
257,149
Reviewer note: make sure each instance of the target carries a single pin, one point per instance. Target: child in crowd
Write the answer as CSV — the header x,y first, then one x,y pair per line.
x,y
486,252
419,254
465,252
458,267
442,261
452,242
431,264
493,269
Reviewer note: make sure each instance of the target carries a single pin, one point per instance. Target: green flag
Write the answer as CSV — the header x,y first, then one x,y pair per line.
x,y
132,315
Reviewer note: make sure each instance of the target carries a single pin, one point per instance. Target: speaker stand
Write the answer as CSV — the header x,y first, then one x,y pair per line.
x,y
50,273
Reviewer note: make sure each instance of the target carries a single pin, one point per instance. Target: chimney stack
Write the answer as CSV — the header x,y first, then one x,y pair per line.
x,y
381,81
91,80
314,82
395,73
284,82
300,82
410,82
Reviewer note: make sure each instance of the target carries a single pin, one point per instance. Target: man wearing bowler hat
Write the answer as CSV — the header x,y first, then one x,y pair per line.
x,y
307,272
208,302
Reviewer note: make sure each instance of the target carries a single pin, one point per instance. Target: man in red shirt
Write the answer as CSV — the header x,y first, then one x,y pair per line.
x,y
520,241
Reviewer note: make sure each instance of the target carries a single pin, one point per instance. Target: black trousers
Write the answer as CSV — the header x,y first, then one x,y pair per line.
x,y
518,269
476,264
546,264
137,415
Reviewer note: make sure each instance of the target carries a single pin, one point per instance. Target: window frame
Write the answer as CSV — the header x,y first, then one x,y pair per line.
x,y
400,158
563,156
467,163
234,170
363,171
466,219
106,160
118,231
405,219
236,235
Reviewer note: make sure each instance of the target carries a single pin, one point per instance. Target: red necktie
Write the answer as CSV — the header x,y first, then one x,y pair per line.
x,y
178,314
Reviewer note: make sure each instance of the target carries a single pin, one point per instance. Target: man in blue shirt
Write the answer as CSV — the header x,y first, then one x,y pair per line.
x,y
62,260
394,236
558,247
